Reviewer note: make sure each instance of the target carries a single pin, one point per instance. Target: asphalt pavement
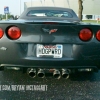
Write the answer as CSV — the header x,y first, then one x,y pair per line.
x,y
14,85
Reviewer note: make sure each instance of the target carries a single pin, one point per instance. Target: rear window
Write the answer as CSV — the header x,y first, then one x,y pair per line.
x,y
49,13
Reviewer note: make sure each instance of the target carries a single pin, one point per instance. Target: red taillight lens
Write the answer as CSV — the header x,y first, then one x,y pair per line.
x,y
98,35
14,33
85,34
1,33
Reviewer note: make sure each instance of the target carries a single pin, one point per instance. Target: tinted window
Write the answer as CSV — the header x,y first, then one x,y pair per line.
x,y
49,13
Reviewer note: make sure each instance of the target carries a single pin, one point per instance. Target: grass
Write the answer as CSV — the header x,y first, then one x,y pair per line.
x,y
91,21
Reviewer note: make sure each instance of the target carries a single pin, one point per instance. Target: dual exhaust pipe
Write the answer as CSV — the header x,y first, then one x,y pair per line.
x,y
65,74
56,74
32,73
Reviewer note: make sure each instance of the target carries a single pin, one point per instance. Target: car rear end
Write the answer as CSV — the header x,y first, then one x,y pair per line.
x,y
31,45
49,40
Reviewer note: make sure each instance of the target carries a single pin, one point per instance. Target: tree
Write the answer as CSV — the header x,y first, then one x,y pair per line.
x,y
80,9
1,16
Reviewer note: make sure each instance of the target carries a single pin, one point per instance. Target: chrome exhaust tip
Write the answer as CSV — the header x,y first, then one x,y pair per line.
x,y
41,73
31,72
56,74
65,73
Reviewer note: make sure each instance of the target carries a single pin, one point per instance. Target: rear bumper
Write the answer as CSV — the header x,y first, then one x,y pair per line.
x,y
74,56
52,63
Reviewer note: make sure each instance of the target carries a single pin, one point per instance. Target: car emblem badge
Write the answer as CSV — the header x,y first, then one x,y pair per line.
x,y
50,30
3,48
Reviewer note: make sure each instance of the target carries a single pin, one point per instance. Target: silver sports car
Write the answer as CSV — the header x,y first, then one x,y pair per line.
x,y
49,40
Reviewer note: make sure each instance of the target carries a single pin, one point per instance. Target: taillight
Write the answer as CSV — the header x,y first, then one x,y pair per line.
x,y
1,33
14,33
85,34
98,35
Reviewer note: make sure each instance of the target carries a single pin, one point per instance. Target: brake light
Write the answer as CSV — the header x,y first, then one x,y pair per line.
x,y
85,34
1,33
14,33
98,35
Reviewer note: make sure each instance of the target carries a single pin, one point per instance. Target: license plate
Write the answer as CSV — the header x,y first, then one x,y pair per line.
x,y
54,51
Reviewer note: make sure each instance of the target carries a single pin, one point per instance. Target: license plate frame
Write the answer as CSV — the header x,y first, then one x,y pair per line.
x,y
54,51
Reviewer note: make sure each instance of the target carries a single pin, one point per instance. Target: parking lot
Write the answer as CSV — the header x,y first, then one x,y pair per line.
x,y
80,86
